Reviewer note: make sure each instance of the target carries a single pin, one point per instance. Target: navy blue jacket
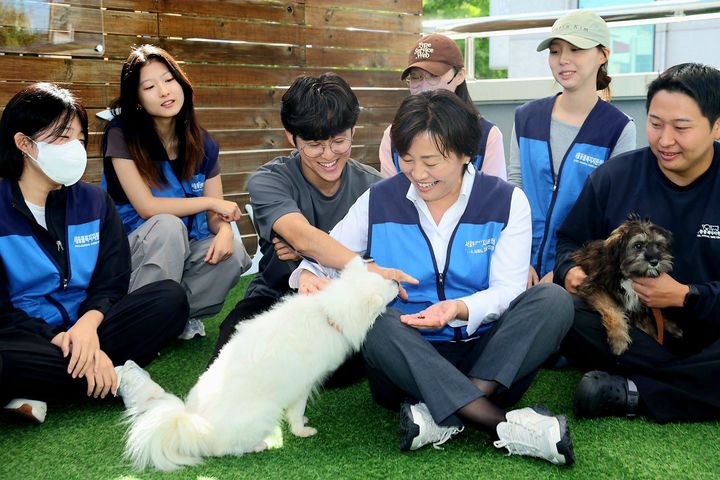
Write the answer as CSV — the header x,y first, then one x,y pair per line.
x,y
49,278
633,182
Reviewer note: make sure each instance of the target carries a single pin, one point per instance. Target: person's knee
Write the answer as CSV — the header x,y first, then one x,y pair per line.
x,y
173,295
379,338
557,306
166,228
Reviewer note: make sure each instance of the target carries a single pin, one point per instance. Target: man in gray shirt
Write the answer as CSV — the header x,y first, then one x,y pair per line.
x,y
297,199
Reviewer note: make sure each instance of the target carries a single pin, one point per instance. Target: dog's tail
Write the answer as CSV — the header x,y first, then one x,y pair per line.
x,y
165,435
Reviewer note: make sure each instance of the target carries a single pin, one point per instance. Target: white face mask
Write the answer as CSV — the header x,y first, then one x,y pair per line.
x,y
62,163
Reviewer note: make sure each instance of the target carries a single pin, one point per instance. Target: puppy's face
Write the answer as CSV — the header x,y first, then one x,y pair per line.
x,y
642,248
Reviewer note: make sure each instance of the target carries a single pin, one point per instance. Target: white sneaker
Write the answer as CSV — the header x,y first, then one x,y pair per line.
x,y
33,410
194,327
535,432
417,428
135,385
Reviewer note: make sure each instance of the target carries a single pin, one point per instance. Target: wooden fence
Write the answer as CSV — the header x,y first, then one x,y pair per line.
x,y
240,55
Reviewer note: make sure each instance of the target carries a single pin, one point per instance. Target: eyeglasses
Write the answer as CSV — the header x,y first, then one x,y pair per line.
x,y
415,80
338,146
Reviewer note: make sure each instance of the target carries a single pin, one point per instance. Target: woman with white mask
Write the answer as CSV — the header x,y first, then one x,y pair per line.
x,y
66,319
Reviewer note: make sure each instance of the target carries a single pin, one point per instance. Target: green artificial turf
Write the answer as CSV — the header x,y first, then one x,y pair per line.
x,y
356,439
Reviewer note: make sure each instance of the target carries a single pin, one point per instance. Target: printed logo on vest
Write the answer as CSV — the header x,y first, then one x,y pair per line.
x,y
82,241
709,231
476,247
197,186
587,160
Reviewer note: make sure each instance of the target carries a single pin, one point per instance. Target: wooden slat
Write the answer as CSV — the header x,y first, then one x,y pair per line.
x,y
266,10
82,19
57,70
335,16
406,6
130,23
342,57
91,96
238,96
222,29
266,76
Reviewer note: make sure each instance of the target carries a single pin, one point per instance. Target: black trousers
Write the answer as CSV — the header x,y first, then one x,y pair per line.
x,y
136,328
350,372
677,381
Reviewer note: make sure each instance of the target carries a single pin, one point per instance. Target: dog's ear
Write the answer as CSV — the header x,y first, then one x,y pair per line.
x,y
616,244
354,266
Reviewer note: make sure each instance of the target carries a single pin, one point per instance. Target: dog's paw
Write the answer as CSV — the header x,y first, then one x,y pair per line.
x,y
304,431
619,344
673,329
260,447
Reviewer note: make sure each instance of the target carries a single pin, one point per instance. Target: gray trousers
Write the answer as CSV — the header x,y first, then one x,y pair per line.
x,y
160,250
401,363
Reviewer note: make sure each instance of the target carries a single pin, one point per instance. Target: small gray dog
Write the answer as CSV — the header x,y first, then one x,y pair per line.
x,y
637,248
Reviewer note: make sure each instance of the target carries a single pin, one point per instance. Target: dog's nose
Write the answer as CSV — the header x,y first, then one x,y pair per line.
x,y
654,262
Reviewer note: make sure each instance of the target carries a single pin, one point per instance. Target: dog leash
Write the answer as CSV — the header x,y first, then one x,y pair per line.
x,y
660,324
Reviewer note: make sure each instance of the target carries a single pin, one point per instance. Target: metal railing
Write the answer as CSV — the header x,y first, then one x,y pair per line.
x,y
521,24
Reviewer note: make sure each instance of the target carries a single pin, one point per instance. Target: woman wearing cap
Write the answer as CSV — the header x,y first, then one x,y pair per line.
x,y
436,63
559,140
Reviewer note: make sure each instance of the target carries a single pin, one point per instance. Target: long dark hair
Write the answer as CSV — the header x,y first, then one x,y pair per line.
x,y
464,94
137,124
32,110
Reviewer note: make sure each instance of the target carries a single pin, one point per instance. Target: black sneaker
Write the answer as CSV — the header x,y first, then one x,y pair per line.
x,y
600,394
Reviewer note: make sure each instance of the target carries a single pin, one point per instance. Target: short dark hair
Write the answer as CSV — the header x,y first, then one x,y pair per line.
x,y
453,126
317,108
697,81
32,110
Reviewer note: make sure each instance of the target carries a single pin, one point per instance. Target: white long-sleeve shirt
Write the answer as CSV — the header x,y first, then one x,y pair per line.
x,y
508,264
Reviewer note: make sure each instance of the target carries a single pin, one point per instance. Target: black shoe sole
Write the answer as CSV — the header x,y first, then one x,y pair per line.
x,y
565,445
408,428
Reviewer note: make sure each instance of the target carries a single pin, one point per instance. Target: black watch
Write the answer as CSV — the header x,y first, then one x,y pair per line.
x,y
691,297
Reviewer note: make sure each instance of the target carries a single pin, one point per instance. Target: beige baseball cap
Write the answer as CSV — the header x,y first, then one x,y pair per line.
x,y
582,28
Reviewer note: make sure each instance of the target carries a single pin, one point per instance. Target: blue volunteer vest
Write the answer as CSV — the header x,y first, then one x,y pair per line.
x,y
173,188
477,162
396,240
35,281
550,197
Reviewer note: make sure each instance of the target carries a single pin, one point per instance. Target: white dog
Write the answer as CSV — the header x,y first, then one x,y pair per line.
x,y
271,365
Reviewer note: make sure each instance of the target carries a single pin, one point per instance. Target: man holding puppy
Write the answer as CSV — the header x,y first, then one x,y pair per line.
x,y
298,198
675,182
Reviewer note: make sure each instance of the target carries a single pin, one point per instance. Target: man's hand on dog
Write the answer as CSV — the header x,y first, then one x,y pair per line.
x,y
574,278
660,292
437,315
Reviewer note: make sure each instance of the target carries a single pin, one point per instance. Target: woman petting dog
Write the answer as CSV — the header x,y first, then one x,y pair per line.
x,y
66,317
675,182
558,140
468,340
